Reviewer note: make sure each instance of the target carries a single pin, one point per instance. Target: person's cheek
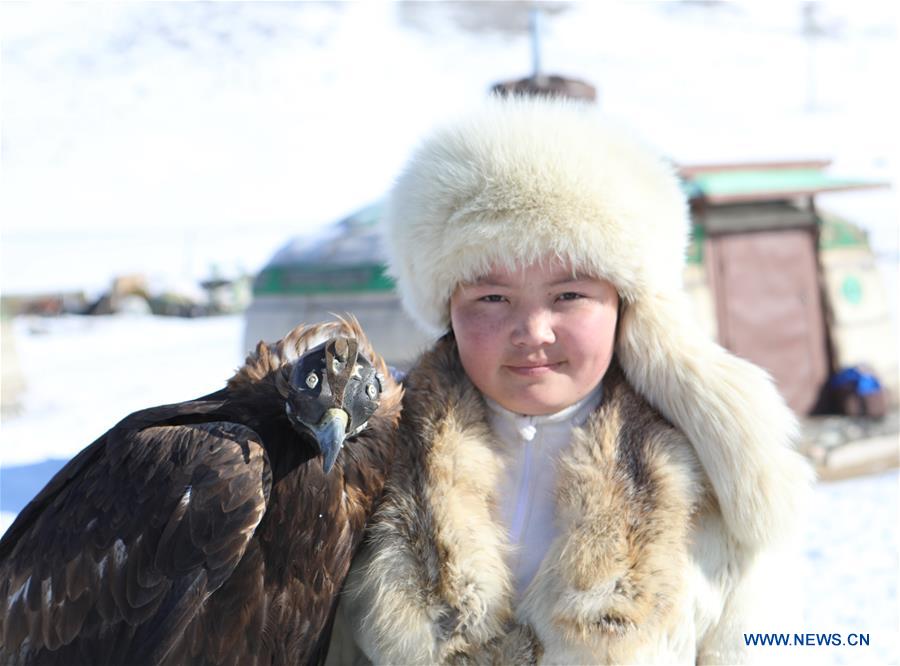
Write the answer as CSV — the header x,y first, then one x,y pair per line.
x,y
473,329
587,343
601,343
478,324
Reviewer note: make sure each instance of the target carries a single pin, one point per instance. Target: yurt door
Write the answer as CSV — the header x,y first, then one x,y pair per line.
x,y
769,309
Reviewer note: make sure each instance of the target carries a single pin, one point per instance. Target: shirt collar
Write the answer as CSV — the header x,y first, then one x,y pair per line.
x,y
575,415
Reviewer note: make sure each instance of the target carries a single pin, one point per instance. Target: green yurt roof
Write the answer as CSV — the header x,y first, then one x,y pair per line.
x,y
346,257
732,185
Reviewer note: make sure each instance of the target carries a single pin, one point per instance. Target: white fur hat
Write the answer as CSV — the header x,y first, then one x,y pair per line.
x,y
521,179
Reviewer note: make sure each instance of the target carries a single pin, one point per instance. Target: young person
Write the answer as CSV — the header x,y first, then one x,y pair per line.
x,y
586,478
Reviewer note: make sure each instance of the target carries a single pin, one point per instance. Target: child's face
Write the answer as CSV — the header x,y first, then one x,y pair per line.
x,y
535,340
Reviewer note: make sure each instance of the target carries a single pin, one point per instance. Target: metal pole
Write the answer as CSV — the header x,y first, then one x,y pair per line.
x,y
535,25
811,32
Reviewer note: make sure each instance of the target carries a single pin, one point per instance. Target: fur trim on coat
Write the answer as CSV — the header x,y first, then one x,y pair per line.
x,y
643,569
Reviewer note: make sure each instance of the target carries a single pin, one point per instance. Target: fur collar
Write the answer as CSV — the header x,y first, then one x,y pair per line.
x,y
433,577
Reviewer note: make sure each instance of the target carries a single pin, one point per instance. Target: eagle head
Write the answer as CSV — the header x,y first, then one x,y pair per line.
x,y
334,390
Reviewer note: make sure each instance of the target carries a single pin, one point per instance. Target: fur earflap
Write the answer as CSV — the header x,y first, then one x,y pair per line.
x,y
730,410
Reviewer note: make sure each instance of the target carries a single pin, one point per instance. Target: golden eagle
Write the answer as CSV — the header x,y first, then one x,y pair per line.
x,y
212,531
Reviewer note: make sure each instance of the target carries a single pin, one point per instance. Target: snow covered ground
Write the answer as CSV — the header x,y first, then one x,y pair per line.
x,y
85,373
853,568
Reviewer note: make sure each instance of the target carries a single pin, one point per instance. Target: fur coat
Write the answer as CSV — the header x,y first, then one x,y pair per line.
x,y
645,569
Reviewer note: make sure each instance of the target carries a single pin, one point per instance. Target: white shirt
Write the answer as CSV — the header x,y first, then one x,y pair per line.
x,y
527,488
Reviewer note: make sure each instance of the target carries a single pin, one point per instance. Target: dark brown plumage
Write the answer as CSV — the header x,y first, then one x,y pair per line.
x,y
206,531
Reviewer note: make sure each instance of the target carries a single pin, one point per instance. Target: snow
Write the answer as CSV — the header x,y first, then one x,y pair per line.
x,y
69,364
853,567
181,139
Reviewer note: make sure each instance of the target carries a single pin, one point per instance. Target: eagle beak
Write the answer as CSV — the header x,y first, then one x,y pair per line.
x,y
330,432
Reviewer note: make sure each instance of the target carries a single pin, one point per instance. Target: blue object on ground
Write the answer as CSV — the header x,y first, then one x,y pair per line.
x,y
864,383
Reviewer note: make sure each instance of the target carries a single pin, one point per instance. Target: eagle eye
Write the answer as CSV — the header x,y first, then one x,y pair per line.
x,y
371,391
312,380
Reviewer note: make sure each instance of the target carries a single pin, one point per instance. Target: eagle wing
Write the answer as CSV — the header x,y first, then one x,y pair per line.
x,y
125,544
